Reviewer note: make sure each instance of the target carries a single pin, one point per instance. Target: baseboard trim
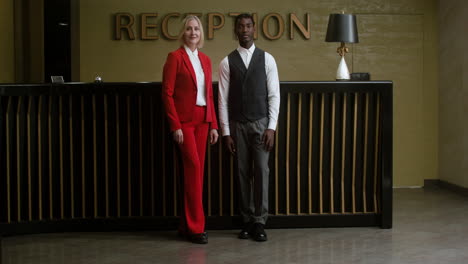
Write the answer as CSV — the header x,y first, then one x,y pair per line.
x,y
131,224
446,185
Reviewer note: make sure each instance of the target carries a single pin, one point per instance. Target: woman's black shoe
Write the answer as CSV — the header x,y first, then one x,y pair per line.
x,y
199,238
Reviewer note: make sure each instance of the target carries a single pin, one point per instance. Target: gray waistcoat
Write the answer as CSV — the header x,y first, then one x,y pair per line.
x,y
248,93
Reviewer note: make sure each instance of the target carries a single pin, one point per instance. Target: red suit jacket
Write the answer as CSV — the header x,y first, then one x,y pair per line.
x,y
179,93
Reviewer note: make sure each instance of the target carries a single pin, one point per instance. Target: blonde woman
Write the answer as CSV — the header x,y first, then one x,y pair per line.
x,y
188,100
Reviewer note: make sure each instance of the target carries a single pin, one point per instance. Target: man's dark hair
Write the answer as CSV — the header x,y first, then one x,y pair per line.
x,y
244,15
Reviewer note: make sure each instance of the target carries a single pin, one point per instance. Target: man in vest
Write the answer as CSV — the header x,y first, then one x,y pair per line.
x,y
249,100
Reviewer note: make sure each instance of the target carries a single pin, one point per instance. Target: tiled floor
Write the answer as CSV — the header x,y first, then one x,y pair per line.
x,y
430,226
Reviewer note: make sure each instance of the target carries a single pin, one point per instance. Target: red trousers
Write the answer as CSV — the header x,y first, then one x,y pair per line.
x,y
193,158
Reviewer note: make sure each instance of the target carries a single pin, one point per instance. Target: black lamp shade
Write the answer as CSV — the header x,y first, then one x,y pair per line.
x,y
342,28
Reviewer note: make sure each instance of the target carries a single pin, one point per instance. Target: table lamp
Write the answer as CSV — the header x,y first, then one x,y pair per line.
x,y
342,28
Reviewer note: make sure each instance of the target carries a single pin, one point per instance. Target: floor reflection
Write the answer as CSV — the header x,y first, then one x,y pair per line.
x,y
430,226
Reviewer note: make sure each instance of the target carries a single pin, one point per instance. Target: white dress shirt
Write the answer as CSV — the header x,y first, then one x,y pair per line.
x,y
272,87
200,75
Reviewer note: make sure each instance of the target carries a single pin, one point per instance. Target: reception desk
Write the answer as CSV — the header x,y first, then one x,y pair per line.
x,y
99,156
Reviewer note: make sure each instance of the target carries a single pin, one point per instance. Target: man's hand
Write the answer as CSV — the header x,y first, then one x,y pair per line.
x,y
268,139
213,136
229,142
178,136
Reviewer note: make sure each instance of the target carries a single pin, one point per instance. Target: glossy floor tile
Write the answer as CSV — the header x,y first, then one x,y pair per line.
x,y
430,226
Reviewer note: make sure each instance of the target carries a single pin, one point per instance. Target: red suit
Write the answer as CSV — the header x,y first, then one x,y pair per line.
x,y
179,96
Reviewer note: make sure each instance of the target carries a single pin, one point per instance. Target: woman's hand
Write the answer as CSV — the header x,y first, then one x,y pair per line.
x,y
213,136
178,136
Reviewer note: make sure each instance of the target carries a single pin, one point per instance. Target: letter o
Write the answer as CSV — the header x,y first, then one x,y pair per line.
x,y
280,26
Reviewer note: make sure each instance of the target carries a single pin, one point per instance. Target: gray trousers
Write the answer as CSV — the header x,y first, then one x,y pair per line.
x,y
252,169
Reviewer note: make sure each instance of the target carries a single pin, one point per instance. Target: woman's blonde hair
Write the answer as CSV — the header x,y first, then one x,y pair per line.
x,y
184,26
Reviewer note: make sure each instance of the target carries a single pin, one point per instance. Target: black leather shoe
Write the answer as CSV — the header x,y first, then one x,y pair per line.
x,y
259,233
246,231
199,238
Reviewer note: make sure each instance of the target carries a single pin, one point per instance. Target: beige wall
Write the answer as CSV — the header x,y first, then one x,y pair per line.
x,y
7,50
398,42
453,94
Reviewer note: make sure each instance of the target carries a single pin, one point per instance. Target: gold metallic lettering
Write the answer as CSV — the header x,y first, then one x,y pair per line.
x,y
293,20
119,26
165,26
280,21
145,26
211,23
272,30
